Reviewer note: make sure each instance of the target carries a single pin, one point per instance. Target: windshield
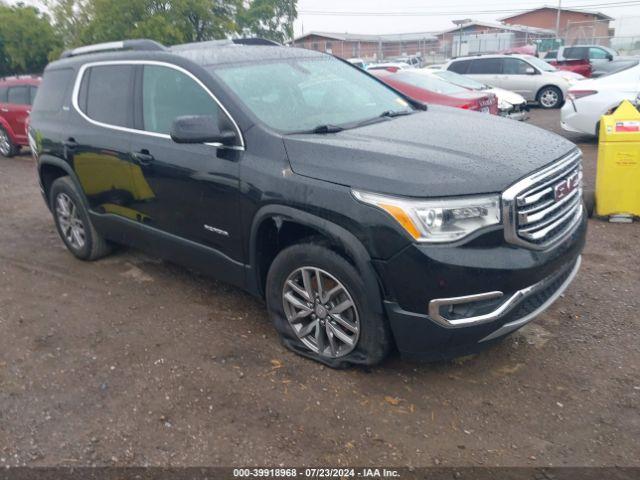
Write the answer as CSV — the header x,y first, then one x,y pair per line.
x,y
300,94
428,82
460,80
540,64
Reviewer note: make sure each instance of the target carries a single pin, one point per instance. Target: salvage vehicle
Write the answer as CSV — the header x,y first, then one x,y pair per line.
x,y
510,104
430,89
365,219
581,67
593,98
529,76
16,96
602,59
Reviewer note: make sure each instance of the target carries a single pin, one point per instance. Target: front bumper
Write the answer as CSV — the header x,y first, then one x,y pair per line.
x,y
416,279
516,112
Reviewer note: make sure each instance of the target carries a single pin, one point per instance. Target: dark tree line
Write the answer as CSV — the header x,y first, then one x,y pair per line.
x,y
29,37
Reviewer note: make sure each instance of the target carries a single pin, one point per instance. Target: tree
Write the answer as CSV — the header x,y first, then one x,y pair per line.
x,y
272,19
26,38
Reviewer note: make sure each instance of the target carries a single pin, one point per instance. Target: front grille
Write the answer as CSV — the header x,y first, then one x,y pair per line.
x,y
546,206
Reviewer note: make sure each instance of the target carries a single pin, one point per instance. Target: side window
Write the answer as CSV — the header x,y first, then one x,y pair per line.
x,y
18,95
486,66
32,94
575,53
460,67
105,94
168,93
514,66
3,94
53,90
597,53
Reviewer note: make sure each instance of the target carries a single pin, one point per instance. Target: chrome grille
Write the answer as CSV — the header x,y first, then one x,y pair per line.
x,y
546,206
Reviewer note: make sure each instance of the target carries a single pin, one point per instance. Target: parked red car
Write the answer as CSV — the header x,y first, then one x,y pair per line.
x,y
16,97
581,66
430,89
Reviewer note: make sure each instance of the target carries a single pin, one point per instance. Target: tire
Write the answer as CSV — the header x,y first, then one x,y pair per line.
x,y
7,147
372,341
73,223
549,97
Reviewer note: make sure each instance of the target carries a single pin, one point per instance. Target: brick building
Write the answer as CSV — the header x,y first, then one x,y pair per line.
x,y
369,47
576,26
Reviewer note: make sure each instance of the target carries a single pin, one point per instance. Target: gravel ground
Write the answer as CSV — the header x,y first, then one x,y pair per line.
x,y
133,361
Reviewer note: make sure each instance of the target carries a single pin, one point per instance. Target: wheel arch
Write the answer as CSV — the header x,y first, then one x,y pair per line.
x,y
50,169
299,225
7,128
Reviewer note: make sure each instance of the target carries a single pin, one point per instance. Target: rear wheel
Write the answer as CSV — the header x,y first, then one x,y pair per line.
x,y
7,147
73,223
550,97
318,304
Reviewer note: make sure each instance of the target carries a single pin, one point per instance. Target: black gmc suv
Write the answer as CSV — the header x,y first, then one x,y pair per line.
x,y
364,219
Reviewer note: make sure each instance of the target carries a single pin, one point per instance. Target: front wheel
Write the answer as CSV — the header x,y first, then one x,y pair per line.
x,y
317,301
550,97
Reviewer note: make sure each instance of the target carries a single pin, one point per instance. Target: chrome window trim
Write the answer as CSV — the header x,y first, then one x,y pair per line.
x,y
84,67
510,198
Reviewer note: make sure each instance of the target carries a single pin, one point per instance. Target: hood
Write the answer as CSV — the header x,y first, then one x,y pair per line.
x,y
507,96
443,151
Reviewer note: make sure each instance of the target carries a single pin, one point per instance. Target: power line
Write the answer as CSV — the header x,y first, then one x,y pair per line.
x,y
459,12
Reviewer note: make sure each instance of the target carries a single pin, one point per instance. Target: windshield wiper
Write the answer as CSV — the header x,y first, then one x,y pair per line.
x,y
396,113
328,128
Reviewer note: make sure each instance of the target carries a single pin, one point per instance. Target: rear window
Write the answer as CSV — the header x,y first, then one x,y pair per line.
x,y
486,66
460,67
105,94
52,91
18,95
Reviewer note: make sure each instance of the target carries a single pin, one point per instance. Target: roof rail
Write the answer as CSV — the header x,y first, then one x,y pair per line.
x,y
256,41
137,44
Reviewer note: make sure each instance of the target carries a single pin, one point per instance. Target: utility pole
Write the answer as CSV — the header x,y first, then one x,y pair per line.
x,y
558,19
291,9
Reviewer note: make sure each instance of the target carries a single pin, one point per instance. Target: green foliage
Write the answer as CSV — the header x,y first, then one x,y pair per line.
x,y
271,19
26,38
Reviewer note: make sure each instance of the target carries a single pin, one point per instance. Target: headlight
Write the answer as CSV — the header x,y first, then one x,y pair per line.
x,y
438,220
504,105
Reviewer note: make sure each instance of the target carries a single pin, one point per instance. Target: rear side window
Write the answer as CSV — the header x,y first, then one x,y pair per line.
x,y
169,93
460,67
3,94
486,66
52,90
576,53
105,94
18,95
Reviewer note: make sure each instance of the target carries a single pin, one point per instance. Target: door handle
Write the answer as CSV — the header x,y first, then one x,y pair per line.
x,y
143,157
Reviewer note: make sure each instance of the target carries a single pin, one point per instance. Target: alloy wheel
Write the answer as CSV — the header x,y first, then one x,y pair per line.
x,y
69,220
5,146
549,98
321,312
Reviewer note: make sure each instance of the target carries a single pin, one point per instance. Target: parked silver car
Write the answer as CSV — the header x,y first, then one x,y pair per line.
x,y
534,79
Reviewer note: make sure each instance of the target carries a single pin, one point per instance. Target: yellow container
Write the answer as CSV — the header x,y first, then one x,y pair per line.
x,y
618,177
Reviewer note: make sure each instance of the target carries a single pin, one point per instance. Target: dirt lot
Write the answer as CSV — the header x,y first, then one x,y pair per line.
x,y
132,361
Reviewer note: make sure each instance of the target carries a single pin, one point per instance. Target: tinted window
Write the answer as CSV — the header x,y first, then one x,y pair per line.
x,y
108,94
3,94
575,53
52,90
19,95
486,66
167,94
597,53
514,66
460,67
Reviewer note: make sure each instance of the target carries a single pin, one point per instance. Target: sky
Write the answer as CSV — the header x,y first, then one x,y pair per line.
x,y
403,16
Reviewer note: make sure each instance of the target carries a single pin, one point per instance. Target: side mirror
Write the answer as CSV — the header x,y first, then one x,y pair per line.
x,y
530,71
609,57
200,129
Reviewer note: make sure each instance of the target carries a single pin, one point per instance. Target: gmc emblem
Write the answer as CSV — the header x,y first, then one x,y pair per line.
x,y
566,186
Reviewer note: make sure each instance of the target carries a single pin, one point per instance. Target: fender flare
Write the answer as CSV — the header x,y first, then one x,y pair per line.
x,y
59,163
334,232
7,128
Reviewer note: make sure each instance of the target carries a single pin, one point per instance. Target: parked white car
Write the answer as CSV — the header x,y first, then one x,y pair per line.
x,y
358,62
510,104
526,75
592,98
